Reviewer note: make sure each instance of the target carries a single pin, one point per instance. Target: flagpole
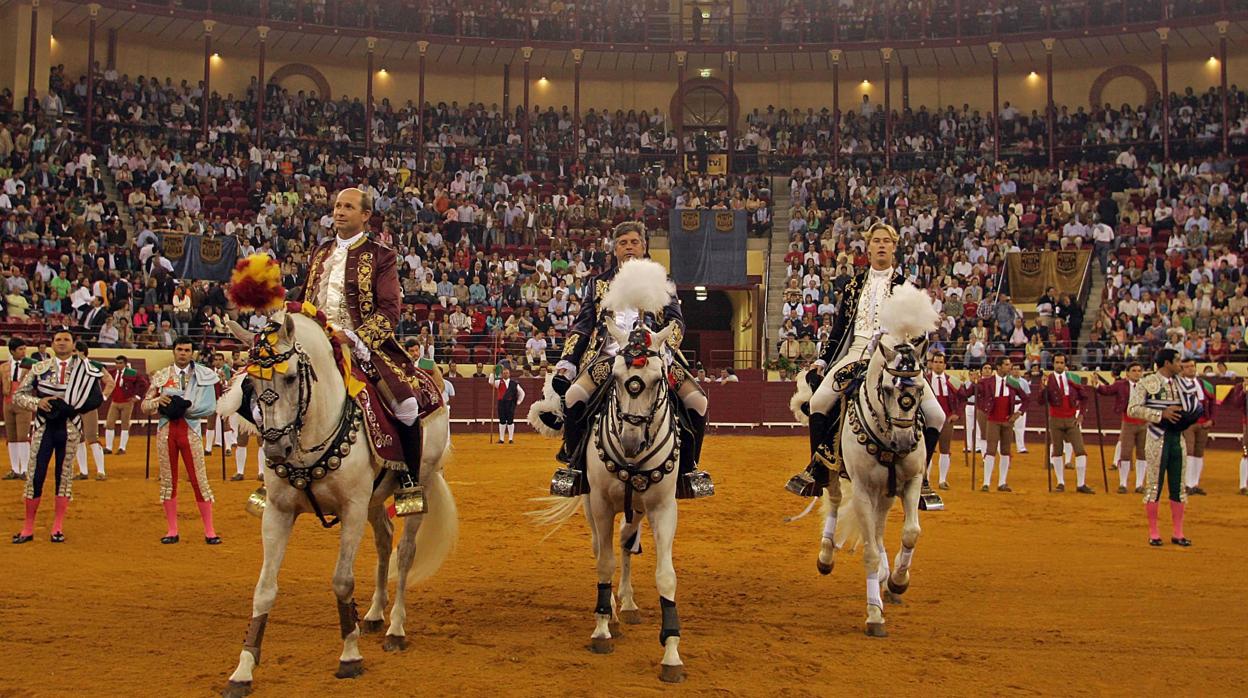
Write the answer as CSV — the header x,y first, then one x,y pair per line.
x,y
1048,438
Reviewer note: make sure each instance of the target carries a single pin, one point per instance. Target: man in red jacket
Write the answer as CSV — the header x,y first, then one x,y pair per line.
x,y
1132,432
996,395
948,393
1237,399
1198,435
130,388
1064,397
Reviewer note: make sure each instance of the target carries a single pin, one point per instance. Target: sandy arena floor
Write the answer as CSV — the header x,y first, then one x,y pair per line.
x,y
1023,593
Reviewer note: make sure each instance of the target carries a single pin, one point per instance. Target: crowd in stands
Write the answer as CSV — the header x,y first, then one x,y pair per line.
x,y
496,251
712,21
1169,239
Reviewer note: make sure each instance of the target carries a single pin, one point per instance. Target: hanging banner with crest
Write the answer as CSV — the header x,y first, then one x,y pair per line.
x,y
1033,272
199,256
707,247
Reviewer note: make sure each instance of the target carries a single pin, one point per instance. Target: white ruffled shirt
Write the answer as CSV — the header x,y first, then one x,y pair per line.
x,y
331,297
877,287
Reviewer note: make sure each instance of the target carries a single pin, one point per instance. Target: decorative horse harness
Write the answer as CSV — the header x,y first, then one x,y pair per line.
x,y
636,353
265,362
865,424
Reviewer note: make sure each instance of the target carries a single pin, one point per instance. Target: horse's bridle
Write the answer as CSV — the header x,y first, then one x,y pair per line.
x,y
305,375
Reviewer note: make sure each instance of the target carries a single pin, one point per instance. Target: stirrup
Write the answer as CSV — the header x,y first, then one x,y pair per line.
x,y
568,482
409,500
695,485
929,500
805,484
257,502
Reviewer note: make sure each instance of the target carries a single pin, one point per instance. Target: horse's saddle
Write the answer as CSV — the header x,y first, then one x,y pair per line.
x,y
380,425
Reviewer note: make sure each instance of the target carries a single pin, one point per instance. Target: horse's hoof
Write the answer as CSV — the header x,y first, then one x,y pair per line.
x,y
632,617
892,599
236,689
601,645
394,643
371,627
825,568
350,670
672,673
896,588
876,630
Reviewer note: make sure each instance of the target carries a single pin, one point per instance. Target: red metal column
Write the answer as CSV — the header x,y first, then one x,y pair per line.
x,y
420,96
205,100
32,100
835,55
260,82
1164,34
578,54
94,9
732,113
887,54
1223,25
527,52
995,48
679,116
1050,114
368,98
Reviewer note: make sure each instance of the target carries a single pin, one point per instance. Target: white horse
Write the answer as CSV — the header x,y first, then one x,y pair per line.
x,y
883,453
313,435
631,462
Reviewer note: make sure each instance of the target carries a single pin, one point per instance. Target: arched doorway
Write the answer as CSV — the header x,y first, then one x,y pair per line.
x,y
704,107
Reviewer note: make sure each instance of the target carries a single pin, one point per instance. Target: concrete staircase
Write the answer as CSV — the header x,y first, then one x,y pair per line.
x,y
776,274
1093,310
110,188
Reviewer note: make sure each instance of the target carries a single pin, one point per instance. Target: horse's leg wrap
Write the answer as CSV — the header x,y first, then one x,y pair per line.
x,y
604,599
348,618
255,635
671,620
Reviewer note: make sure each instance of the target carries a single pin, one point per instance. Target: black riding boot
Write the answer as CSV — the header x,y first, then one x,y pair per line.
x,y
931,437
811,481
571,481
409,498
694,483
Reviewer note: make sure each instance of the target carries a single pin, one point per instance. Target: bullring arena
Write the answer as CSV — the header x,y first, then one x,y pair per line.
x,y
652,223
1012,593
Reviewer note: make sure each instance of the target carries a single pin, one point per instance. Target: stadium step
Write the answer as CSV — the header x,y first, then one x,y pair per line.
x,y
776,271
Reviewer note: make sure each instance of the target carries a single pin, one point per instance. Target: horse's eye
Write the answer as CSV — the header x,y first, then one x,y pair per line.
x,y
289,380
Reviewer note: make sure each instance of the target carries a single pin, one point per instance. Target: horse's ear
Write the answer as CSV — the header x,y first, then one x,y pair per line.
x,y
660,338
288,326
242,335
620,336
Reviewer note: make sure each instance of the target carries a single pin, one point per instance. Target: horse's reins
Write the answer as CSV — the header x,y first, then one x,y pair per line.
x,y
886,454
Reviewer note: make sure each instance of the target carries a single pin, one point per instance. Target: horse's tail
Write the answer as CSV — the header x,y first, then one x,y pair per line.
x,y
556,512
439,528
848,536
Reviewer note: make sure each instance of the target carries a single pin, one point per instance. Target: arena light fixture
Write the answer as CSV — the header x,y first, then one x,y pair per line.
x,y
1213,60
700,293
1033,76
866,83
542,80
704,72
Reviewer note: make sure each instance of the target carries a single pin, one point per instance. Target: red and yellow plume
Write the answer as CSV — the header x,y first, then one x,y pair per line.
x,y
256,283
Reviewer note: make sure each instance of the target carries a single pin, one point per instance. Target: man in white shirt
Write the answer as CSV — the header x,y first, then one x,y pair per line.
x,y
509,394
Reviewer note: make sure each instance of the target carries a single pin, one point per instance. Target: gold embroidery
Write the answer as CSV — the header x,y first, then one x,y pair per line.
x,y
600,289
366,283
569,346
313,286
375,330
677,335
600,372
